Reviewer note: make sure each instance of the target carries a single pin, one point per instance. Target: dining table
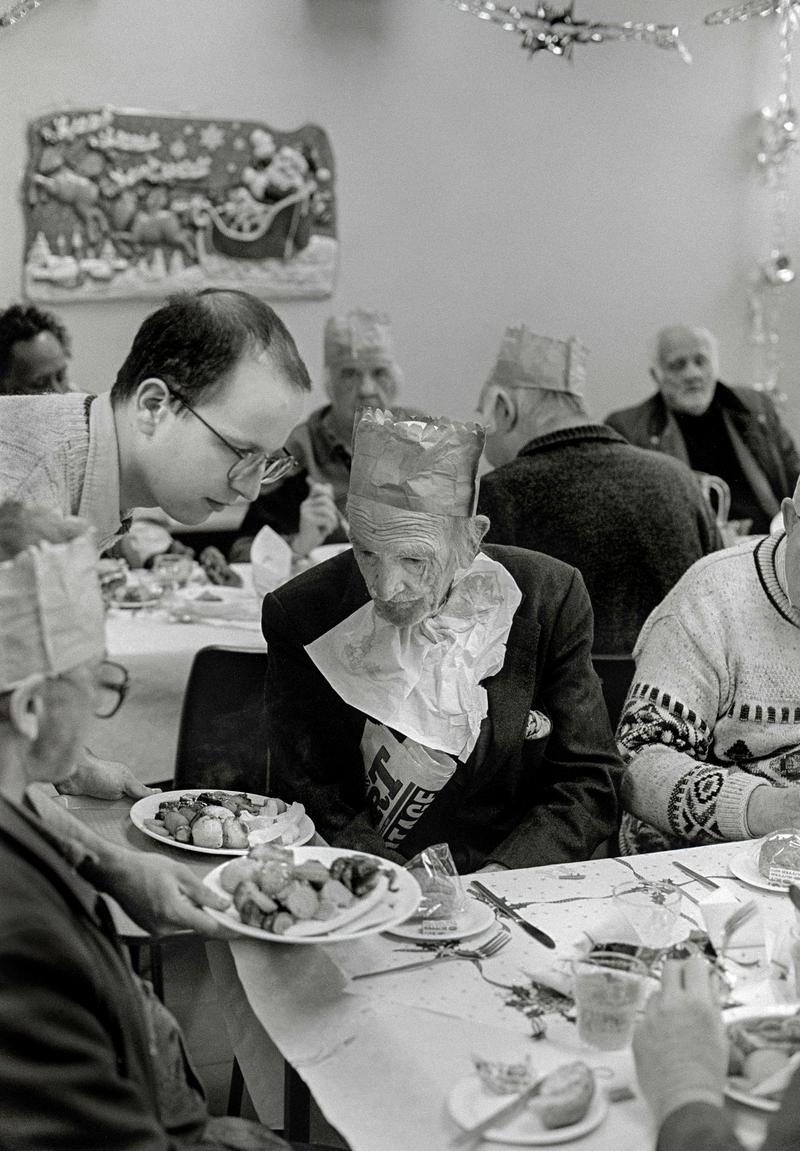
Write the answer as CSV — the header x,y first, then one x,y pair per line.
x,y
157,644
382,1055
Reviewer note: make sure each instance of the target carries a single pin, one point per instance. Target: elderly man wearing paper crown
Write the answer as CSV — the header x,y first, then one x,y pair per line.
x,y
421,690
631,521
307,508
88,1056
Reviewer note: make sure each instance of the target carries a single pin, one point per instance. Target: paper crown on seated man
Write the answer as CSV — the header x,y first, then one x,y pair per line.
x,y
360,335
529,361
423,464
51,611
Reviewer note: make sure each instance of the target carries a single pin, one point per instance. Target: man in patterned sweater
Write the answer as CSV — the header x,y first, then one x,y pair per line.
x,y
711,727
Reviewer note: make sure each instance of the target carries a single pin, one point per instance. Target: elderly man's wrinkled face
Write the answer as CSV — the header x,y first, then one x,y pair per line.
x,y
355,384
407,560
686,372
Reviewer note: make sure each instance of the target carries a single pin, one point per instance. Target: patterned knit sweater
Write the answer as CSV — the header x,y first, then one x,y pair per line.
x,y
714,710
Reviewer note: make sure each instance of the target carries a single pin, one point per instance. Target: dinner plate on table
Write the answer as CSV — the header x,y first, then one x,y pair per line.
x,y
745,867
470,1102
476,918
736,1088
148,807
393,900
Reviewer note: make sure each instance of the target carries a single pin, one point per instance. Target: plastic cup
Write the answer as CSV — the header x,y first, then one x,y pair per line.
x,y
609,990
172,571
651,909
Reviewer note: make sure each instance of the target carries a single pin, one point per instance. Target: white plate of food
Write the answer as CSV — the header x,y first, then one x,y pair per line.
x,y
359,894
135,596
470,1102
477,917
264,816
745,867
762,1043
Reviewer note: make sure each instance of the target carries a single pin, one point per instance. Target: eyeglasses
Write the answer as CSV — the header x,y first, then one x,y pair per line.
x,y
111,686
268,468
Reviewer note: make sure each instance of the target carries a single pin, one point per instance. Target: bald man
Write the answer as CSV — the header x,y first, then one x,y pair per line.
x,y
731,432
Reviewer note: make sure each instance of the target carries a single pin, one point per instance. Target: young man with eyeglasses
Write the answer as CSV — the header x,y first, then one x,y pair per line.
x,y
196,419
88,1056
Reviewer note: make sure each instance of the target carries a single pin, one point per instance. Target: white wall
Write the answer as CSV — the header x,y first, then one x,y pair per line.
x,y
476,187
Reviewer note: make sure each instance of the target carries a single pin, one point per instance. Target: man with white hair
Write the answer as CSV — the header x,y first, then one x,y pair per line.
x,y
88,1057
731,432
711,726
308,507
422,689
630,520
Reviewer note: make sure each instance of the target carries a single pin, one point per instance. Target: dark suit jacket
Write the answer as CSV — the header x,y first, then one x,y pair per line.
x,y
764,448
75,1069
631,521
521,803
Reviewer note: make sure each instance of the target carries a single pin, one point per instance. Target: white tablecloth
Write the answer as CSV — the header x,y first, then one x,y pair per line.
x,y
158,654
380,1056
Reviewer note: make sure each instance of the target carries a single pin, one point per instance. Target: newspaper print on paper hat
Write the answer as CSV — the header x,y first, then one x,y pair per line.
x,y
529,361
422,464
360,335
51,611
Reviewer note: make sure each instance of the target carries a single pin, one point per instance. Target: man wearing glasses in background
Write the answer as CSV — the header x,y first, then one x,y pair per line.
x,y
195,420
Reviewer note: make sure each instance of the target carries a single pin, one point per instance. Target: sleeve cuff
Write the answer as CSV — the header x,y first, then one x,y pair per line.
x,y
732,804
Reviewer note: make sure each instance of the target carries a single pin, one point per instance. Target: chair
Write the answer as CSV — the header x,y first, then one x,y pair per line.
x,y
222,736
616,675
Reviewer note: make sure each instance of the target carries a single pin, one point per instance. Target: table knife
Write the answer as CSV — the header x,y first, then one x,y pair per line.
x,y
706,882
505,909
471,1136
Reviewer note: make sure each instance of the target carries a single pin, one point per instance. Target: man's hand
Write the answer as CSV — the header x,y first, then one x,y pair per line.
x,y
680,1045
163,895
770,808
103,779
318,518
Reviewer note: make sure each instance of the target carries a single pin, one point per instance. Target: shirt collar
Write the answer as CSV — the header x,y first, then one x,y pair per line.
x,y
100,495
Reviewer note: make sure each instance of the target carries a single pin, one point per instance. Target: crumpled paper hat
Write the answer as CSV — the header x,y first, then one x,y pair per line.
x,y
425,464
51,611
358,336
529,361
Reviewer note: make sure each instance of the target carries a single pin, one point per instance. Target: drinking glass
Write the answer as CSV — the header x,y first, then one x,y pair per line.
x,y
609,990
172,571
651,909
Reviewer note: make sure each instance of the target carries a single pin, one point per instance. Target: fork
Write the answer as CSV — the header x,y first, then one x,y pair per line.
x,y
475,954
732,924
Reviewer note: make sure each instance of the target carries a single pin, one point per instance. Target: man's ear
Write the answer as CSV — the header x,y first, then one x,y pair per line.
x,y
26,707
789,515
655,375
504,411
151,404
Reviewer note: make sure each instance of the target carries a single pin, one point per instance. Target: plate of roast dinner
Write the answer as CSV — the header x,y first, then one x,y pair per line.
x,y
220,822
312,894
764,1053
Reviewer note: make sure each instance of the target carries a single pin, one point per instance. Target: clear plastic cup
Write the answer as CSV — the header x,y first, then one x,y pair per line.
x,y
609,990
651,909
172,571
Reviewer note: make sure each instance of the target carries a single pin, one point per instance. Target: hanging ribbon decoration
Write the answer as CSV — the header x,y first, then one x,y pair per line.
x,y
777,144
553,28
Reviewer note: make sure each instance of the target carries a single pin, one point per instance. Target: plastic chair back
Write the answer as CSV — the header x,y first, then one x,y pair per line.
x,y
222,738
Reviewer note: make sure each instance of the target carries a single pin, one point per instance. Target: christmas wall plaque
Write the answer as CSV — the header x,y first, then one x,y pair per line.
x,y
133,204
